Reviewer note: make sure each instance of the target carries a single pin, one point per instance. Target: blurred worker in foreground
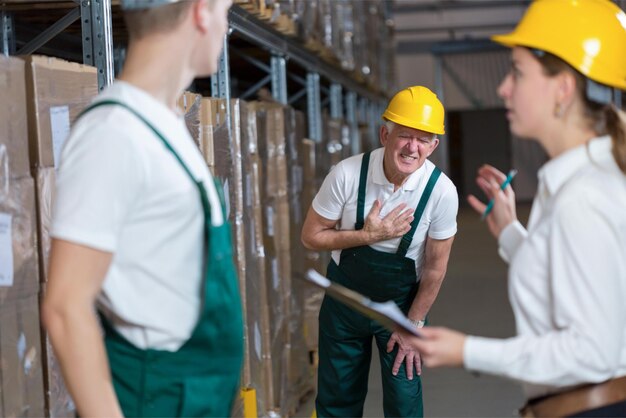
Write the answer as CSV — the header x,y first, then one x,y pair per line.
x,y
140,235
567,274
389,217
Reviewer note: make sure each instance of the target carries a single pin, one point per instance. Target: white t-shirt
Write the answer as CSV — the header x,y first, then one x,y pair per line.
x,y
337,200
121,191
567,279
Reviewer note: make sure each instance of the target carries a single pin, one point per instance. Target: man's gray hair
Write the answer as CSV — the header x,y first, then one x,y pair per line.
x,y
390,125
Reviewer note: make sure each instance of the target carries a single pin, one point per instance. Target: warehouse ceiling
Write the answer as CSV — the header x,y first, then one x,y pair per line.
x,y
424,26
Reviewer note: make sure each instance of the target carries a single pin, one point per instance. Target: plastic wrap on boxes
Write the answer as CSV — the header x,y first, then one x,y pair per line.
x,y
20,357
344,33
14,156
59,403
281,13
360,39
299,373
57,91
258,310
330,149
270,131
190,104
228,168
307,11
312,295
19,275
45,182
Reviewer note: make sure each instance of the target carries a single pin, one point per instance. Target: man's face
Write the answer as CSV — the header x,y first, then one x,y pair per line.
x,y
406,149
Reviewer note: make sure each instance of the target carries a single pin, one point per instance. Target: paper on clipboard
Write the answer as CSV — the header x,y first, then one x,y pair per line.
x,y
387,313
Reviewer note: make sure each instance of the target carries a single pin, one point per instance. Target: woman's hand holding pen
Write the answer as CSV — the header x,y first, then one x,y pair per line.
x,y
490,180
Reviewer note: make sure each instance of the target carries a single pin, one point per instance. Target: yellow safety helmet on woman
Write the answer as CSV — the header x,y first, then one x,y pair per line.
x,y
589,35
417,107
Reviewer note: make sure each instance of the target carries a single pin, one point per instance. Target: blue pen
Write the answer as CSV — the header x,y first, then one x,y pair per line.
x,y
507,181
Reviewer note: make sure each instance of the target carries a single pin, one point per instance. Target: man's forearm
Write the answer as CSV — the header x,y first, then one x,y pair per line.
x,y
430,284
333,239
79,348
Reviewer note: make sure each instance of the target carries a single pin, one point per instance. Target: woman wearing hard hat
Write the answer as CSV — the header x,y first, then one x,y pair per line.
x,y
140,234
567,275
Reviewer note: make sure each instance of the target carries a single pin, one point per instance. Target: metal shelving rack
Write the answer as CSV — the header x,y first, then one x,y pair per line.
x,y
348,98
282,49
97,35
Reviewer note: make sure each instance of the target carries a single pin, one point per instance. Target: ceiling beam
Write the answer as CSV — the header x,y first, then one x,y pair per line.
x,y
443,5
447,47
463,28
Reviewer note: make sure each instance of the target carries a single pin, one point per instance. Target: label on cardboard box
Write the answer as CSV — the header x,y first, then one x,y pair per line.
x,y
60,127
6,250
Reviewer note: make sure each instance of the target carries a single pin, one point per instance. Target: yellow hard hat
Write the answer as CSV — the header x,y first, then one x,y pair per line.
x,y
590,35
416,107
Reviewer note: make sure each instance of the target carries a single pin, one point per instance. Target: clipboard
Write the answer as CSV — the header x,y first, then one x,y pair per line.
x,y
386,313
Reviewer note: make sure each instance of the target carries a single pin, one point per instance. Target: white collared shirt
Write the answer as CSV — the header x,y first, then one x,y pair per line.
x,y
567,279
120,190
337,200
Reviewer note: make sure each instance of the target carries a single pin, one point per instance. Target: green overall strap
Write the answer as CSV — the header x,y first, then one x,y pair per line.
x,y
406,240
203,195
360,205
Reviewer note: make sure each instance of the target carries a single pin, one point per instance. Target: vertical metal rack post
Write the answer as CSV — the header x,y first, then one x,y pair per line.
x,y
97,32
220,81
279,78
336,101
7,35
314,107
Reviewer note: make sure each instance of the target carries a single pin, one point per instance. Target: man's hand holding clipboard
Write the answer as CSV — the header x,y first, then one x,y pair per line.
x,y
388,314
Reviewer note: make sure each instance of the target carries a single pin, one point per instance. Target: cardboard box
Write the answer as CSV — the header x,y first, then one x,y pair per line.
x,y
57,91
13,122
20,355
19,275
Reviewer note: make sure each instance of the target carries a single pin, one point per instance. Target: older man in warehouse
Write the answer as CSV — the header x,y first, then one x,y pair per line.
x,y
139,234
398,252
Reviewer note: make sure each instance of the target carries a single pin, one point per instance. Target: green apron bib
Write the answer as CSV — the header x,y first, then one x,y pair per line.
x,y
201,378
345,336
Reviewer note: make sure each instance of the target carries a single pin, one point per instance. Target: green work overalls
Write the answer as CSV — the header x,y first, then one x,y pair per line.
x,y
345,336
202,377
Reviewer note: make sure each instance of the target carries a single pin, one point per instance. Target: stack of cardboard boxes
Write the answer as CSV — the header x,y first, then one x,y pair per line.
x,y
57,91
42,97
259,164
20,341
269,176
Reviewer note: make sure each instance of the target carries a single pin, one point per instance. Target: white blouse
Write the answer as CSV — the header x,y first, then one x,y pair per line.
x,y
567,279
